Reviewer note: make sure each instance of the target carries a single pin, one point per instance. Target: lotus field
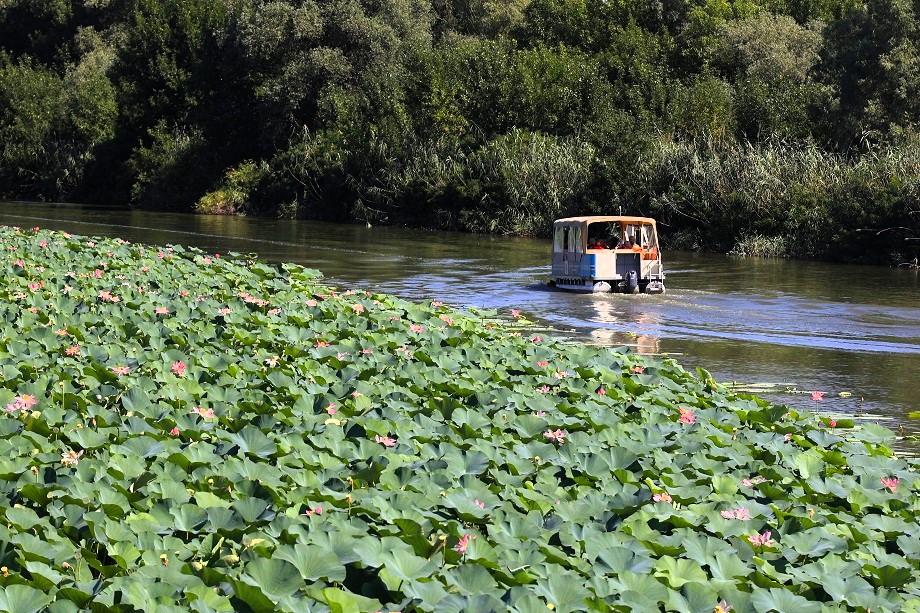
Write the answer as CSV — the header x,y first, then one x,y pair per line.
x,y
213,433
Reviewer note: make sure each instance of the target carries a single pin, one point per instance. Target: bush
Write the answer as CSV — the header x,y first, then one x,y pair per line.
x,y
234,196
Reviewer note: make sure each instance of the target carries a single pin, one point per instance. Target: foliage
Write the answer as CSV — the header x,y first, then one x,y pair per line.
x,y
235,195
199,432
385,111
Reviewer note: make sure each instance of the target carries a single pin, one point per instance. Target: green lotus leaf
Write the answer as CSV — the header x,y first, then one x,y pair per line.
x,y
809,464
63,606
274,577
141,446
342,601
677,572
313,562
251,440
472,579
189,518
781,601
564,590
23,517
693,598
407,566
22,599
615,560
729,567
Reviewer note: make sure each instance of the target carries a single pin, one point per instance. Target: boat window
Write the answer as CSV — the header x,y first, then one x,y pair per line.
x,y
558,239
578,240
565,239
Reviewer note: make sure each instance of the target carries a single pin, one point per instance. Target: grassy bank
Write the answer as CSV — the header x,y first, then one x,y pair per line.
x,y
192,432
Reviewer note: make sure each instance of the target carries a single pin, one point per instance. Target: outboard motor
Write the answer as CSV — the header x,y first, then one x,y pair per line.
x,y
632,282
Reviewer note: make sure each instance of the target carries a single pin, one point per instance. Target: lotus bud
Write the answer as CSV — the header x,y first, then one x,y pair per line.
x,y
4,571
164,559
197,565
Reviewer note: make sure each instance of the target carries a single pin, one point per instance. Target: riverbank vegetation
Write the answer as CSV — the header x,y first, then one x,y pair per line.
x,y
763,126
185,431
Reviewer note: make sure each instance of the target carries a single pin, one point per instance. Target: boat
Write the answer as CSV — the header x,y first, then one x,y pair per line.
x,y
600,253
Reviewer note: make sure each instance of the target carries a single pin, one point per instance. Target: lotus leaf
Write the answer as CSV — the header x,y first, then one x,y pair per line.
x,y
242,437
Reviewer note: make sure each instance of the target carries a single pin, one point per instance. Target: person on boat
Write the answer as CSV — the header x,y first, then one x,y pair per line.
x,y
594,243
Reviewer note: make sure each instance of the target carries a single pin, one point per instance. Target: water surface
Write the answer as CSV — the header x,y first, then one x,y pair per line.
x,y
801,325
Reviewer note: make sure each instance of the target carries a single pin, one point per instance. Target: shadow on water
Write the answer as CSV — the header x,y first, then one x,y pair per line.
x,y
802,325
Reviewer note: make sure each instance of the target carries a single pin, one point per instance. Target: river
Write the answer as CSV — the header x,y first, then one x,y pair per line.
x,y
798,326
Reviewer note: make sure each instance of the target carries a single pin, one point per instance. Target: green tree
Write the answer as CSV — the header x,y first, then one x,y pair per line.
x,y
770,58
870,65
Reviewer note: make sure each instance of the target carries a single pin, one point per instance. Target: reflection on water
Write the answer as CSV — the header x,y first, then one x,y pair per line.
x,y
804,325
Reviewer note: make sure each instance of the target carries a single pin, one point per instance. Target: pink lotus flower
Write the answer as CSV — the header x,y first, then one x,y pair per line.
x,y
309,512
515,313
557,436
179,368
761,540
816,396
416,328
224,311
71,458
272,361
601,391
891,483
26,401
446,319
832,423
321,344
174,431
161,311
331,410
542,363
204,413
463,543
311,303
543,389
121,370
73,350
436,303
752,482
723,607
739,513
537,339
540,413
386,441
61,332
560,374
787,437
35,286
686,416
479,504
663,497
638,370
19,263
357,308
98,273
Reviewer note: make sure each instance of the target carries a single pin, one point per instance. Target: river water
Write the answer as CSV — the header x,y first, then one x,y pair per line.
x,y
800,326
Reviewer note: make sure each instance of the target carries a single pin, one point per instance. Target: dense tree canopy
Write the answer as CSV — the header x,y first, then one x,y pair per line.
x,y
485,115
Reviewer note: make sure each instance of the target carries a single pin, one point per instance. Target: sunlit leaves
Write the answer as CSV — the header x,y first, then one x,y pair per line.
x,y
304,460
